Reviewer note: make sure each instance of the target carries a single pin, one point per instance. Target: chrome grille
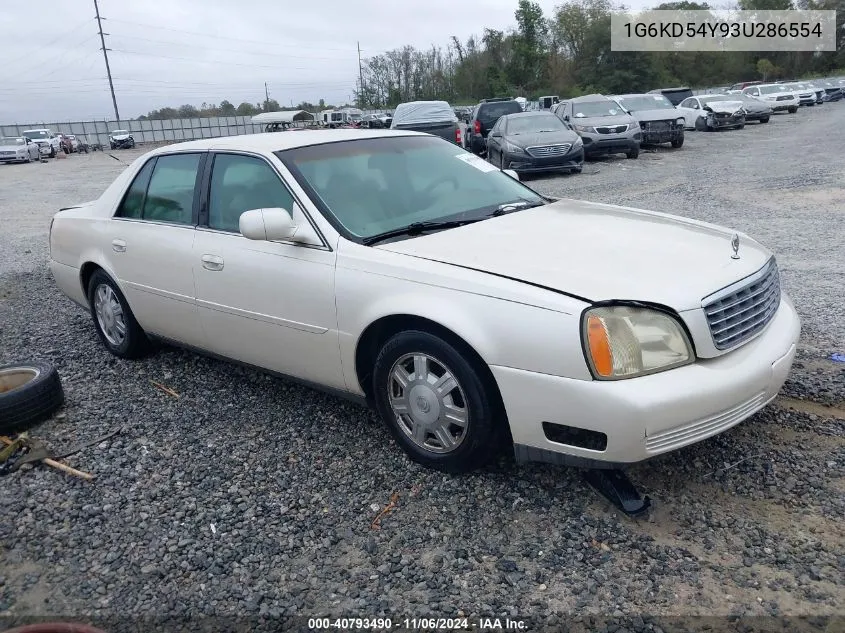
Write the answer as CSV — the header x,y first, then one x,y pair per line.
x,y
542,151
741,310
611,129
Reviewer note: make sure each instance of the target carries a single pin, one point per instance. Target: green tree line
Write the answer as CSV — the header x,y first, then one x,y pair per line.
x,y
569,53
227,108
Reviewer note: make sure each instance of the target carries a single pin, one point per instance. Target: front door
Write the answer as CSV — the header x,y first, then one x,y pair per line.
x,y
269,304
150,242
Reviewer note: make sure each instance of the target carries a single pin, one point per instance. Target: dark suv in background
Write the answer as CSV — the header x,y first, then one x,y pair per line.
x,y
483,118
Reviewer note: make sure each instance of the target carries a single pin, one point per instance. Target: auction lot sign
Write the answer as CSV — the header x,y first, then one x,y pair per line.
x,y
723,30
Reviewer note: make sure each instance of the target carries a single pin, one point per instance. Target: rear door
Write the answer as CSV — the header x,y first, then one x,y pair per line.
x,y
149,245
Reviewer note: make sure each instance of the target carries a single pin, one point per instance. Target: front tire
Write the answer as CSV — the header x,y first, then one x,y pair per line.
x,y
113,319
634,153
52,152
678,142
792,110
438,405
764,119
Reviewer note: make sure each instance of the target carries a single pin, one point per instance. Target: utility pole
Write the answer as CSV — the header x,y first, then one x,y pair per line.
x,y
361,78
266,96
106,56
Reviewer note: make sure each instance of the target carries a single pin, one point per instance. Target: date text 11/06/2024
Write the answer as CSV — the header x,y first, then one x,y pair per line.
x,y
417,624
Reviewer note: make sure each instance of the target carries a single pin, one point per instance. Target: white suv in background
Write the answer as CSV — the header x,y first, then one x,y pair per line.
x,y
778,96
48,143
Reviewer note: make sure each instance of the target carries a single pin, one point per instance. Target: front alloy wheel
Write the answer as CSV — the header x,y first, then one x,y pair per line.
x,y
440,406
428,402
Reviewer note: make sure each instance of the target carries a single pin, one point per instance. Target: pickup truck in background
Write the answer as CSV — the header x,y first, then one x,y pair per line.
x,y
432,117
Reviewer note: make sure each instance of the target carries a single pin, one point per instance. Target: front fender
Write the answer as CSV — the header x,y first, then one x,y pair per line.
x,y
502,332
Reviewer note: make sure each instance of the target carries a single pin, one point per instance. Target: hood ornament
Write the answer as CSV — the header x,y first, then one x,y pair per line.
x,y
735,246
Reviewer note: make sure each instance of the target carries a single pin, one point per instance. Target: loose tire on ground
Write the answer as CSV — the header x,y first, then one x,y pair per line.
x,y
30,392
484,434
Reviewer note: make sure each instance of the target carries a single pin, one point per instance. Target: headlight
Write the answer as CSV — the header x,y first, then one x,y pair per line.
x,y
513,149
584,128
578,142
680,121
626,342
634,125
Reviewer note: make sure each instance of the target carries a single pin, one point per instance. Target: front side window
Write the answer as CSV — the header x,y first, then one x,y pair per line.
x,y
241,183
371,186
170,195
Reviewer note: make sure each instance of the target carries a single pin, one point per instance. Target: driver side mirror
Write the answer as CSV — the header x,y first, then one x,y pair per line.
x,y
267,224
566,117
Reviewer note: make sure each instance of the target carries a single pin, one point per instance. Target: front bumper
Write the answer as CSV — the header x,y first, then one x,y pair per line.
x,y
45,149
650,415
600,145
524,163
717,122
657,136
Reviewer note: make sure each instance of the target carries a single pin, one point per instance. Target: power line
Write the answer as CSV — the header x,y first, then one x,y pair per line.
x,y
233,39
206,61
106,57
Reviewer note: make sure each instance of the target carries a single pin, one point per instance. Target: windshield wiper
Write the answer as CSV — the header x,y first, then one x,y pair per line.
x,y
517,205
417,228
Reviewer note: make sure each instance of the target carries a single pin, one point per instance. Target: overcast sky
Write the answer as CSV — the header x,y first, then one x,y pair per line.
x,y
171,52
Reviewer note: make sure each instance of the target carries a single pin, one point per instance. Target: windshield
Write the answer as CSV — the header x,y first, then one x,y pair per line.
x,y
534,124
768,90
595,108
35,134
370,186
646,102
11,140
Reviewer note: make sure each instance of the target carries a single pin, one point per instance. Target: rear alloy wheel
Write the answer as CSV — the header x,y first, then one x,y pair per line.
x,y
113,319
437,405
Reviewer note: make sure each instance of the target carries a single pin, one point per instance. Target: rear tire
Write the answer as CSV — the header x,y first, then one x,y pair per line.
x,y
764,119
126,341
456,428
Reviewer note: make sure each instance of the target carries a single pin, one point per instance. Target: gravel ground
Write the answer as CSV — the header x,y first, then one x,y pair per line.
x,y
250,496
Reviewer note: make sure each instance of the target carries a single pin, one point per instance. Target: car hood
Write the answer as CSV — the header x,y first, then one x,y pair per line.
x,y
601,121
10,148
542,138
726,107
597,252
656,115
120,137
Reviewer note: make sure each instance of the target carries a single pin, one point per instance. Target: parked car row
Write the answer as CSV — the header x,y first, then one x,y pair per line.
x,y
40,143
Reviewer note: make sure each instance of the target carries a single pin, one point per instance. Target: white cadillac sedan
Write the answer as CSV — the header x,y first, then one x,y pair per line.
x,y
468,310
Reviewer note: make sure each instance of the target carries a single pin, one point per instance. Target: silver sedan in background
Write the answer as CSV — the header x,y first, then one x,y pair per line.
x,y
18,149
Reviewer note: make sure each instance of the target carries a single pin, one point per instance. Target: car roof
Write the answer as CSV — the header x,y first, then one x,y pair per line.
x,y
276,141
587,98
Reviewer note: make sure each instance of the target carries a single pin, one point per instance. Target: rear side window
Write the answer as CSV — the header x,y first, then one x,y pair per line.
x,y
133,201
170,194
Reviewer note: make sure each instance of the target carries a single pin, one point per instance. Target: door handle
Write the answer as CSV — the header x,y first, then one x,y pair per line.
x,y
118,246
212,262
